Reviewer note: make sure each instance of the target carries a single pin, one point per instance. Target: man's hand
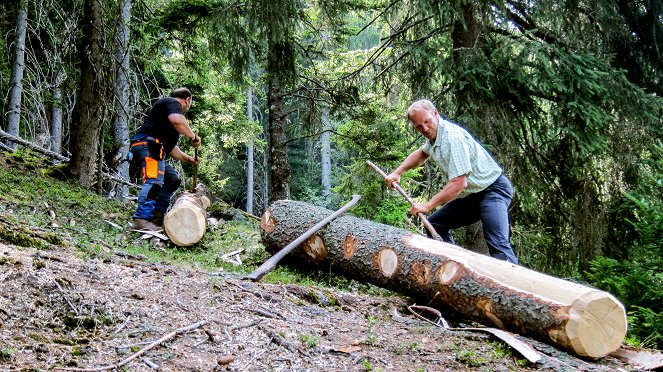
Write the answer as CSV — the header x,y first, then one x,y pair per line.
x,y
420,208
195,141
393,177
192,160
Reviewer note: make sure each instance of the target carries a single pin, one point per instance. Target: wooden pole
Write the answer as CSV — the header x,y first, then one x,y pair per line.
x,y
268,265
398,188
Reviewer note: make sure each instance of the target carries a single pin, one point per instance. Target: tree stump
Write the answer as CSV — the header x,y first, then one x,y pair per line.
x,y
186,222
584,320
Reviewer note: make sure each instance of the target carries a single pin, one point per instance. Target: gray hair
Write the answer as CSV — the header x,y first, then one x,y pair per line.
x,y
421,104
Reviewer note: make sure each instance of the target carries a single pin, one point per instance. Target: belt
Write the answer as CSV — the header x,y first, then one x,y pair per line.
x,y
144,141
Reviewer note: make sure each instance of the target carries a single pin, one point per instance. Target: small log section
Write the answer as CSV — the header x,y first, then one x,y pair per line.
x,y
583,320
186,222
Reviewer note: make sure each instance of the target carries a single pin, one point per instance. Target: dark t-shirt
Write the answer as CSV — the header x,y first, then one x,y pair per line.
x,y
157,125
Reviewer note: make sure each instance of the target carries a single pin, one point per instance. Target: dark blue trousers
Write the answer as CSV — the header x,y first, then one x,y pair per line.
x,y
160,180
491,207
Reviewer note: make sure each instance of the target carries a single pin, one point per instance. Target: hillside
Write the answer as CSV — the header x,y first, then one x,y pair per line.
x,y
81,291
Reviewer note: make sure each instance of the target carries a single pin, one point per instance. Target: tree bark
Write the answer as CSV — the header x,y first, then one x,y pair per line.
x,y
121,124
16,84
56,112
249,154
325,153
278,139
581,319
88,115
186,221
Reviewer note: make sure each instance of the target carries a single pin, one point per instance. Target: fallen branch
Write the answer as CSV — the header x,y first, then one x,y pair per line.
x,y
280,340
56,156
268,265
246,325
32,146
142,351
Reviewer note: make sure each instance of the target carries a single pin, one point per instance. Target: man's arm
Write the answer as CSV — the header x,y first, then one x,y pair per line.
x,y
449,192
181,125
415,159
182,156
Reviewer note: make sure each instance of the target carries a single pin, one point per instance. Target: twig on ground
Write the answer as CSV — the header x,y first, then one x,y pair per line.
x,y
41,255
281,341
121,327
65,297
522,347
233,257
150,363
142,351
246,325
113,224
430,310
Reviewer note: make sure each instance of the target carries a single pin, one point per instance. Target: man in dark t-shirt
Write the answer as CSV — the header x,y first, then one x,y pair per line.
x,y
154,140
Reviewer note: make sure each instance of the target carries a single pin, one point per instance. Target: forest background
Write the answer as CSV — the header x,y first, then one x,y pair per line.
x,y
292,96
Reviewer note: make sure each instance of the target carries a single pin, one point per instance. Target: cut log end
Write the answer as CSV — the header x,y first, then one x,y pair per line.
x,y
184,226
597,324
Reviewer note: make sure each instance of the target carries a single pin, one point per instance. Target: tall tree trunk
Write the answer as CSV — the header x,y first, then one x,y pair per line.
x,y
325,153
465,35
121,125
88,115
249,154
16,84
56,113
278,139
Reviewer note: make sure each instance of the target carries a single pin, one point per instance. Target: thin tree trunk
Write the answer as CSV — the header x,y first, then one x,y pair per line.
x,y
121,125
249,154
88,116
16,84
56,113
325,153
265,180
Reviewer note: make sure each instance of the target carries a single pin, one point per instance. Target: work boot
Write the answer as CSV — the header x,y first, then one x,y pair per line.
x,y
157,218
140,224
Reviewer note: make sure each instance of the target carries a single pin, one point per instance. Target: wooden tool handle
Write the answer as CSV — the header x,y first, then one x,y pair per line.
x,y
398,188
195,170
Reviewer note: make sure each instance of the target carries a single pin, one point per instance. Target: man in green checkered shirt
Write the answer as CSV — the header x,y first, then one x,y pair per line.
x,y
475,187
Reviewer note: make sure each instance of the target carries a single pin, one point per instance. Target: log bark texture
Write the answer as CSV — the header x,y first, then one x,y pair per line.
x,y
186,222
584,320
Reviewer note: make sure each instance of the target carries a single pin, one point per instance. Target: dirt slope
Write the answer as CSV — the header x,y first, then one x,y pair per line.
x,y
58,310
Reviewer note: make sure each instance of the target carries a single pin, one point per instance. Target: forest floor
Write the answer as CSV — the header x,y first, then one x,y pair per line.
x,y
78,293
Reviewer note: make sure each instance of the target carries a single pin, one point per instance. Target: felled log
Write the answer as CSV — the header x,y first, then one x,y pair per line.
x,y
186,221
584,320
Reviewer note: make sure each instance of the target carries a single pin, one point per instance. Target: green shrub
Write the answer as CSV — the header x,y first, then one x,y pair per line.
x,y
637,281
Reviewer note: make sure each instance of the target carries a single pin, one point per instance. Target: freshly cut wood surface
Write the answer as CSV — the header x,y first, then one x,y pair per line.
x,y
584,320
186,222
